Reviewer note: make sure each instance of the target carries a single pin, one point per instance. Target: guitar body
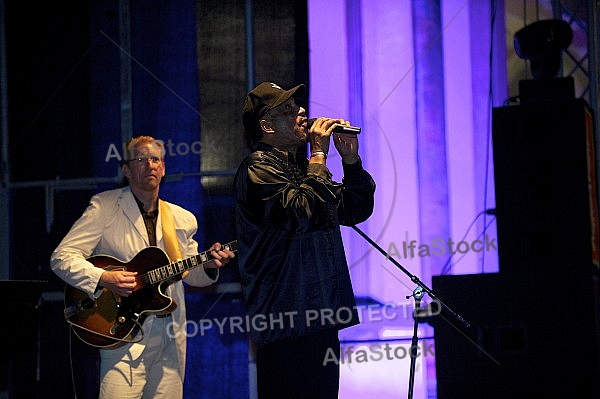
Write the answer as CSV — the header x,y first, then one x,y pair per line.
x,y
112,321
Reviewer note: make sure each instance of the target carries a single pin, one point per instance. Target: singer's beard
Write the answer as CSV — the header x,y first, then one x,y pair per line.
x,y
301,132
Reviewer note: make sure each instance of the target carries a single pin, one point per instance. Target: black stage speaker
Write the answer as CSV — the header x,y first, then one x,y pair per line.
x,y
545,180
532,336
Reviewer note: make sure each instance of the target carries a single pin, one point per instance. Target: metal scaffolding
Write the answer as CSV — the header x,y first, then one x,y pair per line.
x,y
583,16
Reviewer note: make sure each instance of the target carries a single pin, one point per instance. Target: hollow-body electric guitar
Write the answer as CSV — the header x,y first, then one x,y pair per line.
x,y
109,321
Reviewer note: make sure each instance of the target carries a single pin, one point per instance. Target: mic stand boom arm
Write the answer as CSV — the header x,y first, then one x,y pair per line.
x,y
413,278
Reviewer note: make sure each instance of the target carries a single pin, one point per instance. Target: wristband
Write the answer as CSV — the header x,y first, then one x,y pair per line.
x,y
314,154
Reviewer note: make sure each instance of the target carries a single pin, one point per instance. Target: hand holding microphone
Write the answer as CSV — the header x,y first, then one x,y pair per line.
x,y
346,142
338,128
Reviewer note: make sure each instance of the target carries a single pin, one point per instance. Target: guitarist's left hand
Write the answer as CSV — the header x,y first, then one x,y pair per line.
x,y
221,258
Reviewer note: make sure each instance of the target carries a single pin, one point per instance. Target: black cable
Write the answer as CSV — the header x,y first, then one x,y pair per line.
x,y
447,268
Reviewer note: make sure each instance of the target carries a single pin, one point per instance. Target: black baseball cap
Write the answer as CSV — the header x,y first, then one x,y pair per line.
x,y
262,98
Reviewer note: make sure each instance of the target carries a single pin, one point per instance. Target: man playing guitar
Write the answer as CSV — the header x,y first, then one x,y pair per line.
x,y
139,356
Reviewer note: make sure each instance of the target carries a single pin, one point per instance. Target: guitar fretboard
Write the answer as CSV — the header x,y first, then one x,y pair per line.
x,y
177,268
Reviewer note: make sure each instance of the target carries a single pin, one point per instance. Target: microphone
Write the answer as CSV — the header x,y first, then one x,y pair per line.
x,y
337,128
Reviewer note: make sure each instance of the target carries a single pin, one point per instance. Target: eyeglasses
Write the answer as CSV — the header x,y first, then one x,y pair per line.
x,y
286,108
143,160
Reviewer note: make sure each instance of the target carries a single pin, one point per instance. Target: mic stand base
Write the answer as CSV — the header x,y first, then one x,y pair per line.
x,y
414,346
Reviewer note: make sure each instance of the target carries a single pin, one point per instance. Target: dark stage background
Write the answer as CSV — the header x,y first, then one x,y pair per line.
x,y
85,76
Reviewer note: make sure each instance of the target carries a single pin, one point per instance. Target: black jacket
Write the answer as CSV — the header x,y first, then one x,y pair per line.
x,y
294,274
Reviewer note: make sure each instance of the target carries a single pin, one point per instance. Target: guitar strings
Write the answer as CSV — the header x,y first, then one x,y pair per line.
x,y
145,278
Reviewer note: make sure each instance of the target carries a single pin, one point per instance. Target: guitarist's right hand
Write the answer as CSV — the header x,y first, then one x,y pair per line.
x,y
121,282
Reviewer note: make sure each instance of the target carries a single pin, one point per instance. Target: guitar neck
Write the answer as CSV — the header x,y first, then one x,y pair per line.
x,y
177,268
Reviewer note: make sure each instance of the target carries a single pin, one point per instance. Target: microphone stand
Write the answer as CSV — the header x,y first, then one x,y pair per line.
x,y
418,295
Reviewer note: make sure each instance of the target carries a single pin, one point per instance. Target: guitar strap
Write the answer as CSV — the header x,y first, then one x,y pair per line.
x,y
169,234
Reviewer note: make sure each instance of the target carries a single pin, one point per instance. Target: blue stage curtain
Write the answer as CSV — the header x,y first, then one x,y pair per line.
x,y
164,83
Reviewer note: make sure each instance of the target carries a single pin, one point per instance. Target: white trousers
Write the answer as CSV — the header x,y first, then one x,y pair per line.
x,y
155,374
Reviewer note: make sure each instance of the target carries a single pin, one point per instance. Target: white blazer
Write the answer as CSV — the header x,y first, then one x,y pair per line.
x,y
113,225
